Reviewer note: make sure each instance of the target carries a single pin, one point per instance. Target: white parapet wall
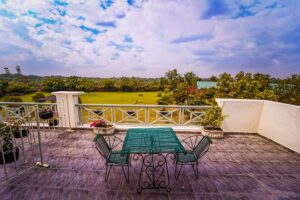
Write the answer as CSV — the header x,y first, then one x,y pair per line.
x,y
241,115
276,121
281,123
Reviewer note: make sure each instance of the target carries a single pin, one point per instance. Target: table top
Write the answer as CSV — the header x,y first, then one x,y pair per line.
x,y
152,140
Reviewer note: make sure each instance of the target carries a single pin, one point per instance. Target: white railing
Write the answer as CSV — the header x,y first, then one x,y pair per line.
x,y
20,136
141,114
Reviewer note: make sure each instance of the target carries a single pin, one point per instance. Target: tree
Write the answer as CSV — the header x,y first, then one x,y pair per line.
x,y
180,94
6,70
3,87
18,69
288,90
213,78
224,86
51,84
70,83
18,87
190,78
107,85
173,78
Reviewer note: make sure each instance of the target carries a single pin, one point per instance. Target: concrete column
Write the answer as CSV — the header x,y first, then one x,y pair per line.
x,y
67,111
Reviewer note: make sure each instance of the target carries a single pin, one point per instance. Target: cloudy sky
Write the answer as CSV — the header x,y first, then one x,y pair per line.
x,y
148,37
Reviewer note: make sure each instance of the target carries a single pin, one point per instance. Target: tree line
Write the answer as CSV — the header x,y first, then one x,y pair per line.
x,y
174,87
183,90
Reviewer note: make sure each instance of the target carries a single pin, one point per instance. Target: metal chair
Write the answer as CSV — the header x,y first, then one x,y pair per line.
x,y
113,158
196,148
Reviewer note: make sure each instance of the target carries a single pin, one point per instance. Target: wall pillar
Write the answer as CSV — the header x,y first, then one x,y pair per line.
x,y
67,111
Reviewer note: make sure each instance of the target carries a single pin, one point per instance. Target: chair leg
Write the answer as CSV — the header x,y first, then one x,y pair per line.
x,y
107,171
195,169
126,177
177,173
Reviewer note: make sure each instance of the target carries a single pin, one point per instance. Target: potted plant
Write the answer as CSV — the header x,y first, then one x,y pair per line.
x,y
8,153
46,114
163,112
53,122
98,112
19,131
102,127
131,113
211,122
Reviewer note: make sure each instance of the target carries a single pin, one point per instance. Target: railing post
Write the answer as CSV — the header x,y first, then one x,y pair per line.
x,y
41,163
67,109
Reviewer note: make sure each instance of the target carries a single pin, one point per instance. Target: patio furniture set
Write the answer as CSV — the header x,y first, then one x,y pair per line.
x,y
153,146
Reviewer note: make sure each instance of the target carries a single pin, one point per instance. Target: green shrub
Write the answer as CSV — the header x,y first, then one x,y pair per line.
x,y
37,96
12,99
159,94
213,117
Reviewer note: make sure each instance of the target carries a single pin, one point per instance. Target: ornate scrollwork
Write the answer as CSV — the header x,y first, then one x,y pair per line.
x,y
154,173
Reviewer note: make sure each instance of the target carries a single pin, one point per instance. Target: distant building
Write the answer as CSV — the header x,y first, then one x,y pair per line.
x,y
206,84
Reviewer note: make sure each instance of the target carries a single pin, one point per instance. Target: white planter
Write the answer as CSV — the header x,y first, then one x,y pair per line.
x,y
104,130
213,133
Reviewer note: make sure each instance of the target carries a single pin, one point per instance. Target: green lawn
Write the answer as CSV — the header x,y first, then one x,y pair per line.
x,y
28,97
120,97
110,97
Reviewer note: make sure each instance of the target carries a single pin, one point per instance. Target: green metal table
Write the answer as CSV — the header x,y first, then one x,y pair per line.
x,y
153,145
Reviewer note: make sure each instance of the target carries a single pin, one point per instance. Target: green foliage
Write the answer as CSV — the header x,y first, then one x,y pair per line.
x,y
37,96
175,86
166,99
159,94
18,87
12,99
213,117
202,97
173,78
51,84
245,86
190,78
3,88
5,137
224,86
288,90
181,94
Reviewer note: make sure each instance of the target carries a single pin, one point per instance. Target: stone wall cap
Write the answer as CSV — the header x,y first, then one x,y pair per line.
x,y
68,92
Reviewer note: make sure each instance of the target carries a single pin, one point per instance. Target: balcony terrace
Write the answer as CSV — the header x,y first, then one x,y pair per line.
x,y
257,159
240,166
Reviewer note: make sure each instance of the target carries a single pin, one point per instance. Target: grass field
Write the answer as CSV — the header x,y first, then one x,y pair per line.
x,y
120,97
110,97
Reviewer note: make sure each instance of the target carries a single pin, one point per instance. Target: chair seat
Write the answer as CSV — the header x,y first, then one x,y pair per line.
x,y
118,158
189,156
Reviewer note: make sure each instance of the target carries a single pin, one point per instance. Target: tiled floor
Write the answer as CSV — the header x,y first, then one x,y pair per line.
x,y
236,167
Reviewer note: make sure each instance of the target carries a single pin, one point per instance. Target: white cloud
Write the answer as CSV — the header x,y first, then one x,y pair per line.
x,y
152,26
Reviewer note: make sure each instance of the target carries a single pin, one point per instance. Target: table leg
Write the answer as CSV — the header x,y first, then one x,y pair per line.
x,y
154,172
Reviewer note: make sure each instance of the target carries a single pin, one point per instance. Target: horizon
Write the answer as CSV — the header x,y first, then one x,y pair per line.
x,y
145,39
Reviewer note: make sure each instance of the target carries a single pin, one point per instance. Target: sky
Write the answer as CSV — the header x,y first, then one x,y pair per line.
x,y
146,38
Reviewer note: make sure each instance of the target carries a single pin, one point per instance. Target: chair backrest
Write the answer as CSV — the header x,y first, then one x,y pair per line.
x,y
102,146
202,147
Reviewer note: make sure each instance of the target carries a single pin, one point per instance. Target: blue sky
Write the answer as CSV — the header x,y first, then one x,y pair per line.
x,y
145,38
